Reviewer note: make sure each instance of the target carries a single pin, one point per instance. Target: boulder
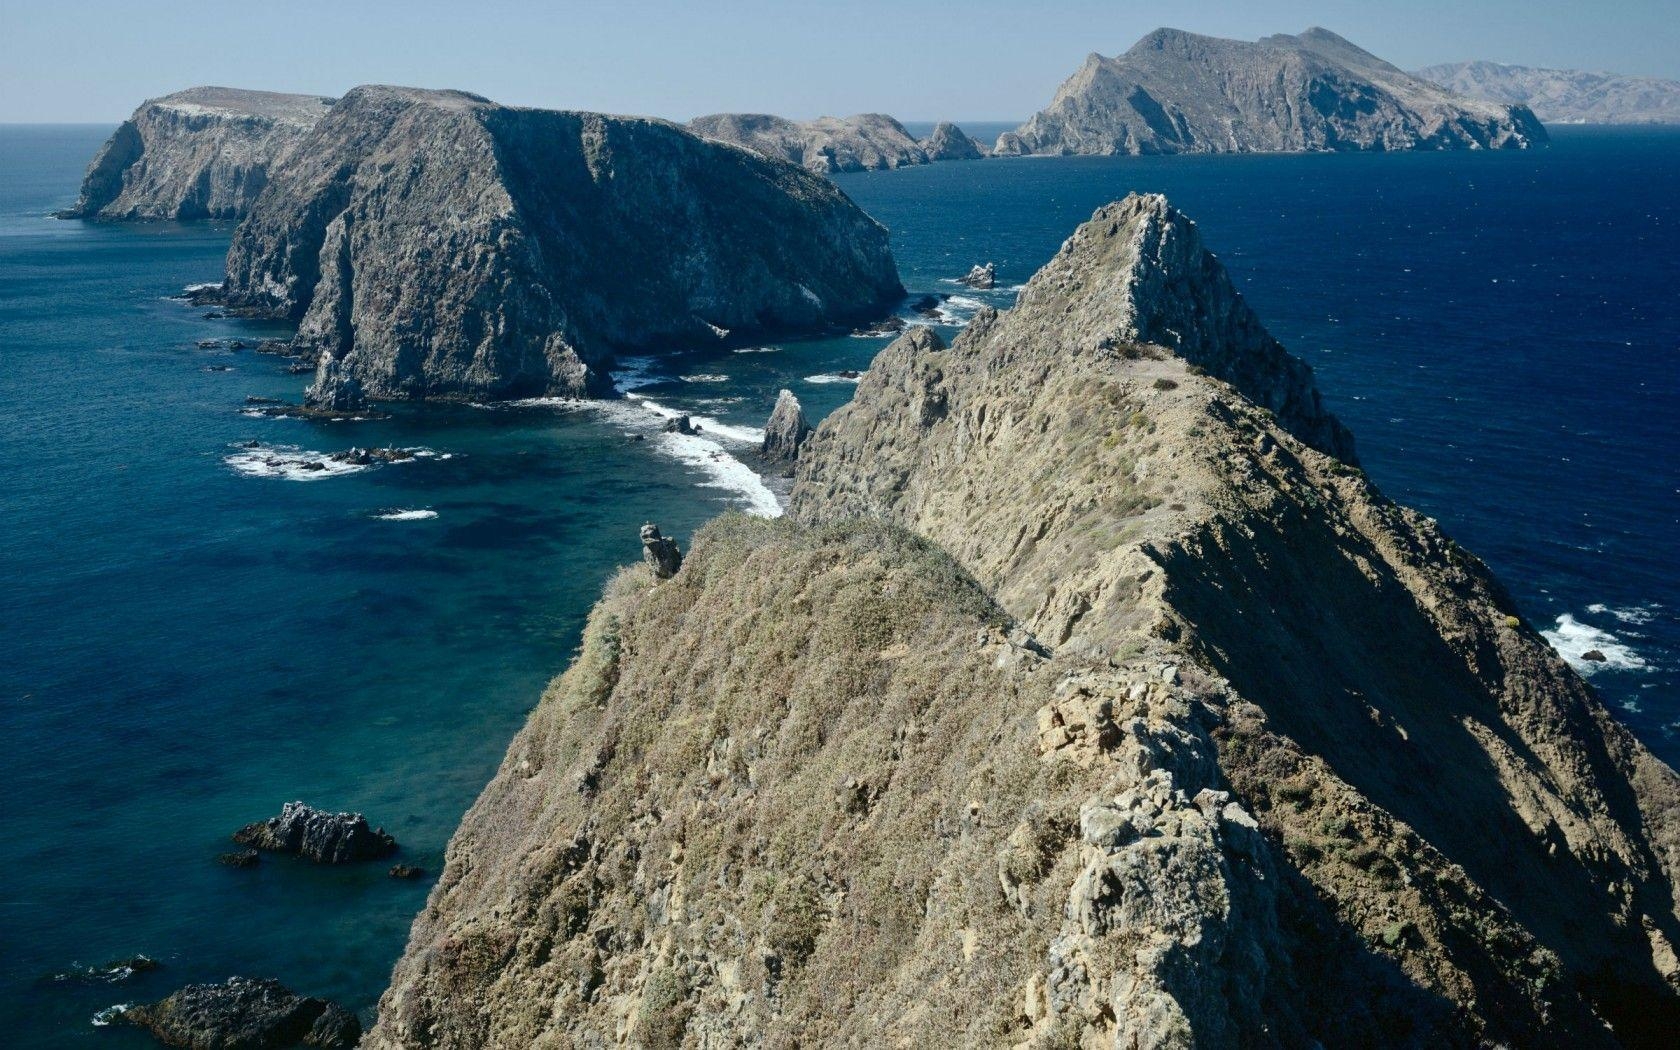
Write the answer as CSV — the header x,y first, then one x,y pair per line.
x,y
327,838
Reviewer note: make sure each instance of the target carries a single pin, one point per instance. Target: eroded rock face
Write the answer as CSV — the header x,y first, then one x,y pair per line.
x,y
327,838
246,1014
865,142
948,142
203,153
1178,92
1081,702
785,432
660,552
433,244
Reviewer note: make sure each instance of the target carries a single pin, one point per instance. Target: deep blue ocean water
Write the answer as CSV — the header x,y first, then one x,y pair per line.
x,y
183,646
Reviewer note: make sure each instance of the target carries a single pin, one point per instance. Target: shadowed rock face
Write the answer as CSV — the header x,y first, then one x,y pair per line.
x,y
1082,702
1177,92
246,1013
203,153
865,142
1564,96
433,244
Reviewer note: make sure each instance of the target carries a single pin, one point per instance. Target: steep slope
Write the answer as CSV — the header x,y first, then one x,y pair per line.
x,y
433,244
1564,96
203,153
865,142
1177,92
1191,739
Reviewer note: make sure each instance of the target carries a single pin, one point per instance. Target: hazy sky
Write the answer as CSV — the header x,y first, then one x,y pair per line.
x,y
67,60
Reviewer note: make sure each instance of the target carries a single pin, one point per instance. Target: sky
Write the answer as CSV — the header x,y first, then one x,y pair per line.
x,y
95,60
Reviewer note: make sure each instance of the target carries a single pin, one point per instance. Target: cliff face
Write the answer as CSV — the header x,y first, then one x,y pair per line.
x,y
865,142
1084,703
1564,96
1177,92
203,153
436,245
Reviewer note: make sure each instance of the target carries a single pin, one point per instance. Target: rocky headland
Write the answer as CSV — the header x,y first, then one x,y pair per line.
x,y
1564,96
864,142
203,153
1089,696
1178,92
434,244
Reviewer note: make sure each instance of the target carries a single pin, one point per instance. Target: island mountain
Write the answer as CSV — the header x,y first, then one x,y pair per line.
x,y
1564,96
1178,92
1091,696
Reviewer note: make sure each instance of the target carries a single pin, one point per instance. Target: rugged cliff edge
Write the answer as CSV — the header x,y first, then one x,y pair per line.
x,y
1086,702
865,142
434,244
203,153
1178,92
1564,96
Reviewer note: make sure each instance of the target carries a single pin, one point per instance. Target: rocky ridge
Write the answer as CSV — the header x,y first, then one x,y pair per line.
x,y
203,153
1178,92
434,244
1564,96
864,142
1084,702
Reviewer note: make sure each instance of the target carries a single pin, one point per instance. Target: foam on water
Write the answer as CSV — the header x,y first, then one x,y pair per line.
x,y
758,350
1573,640
406,515
1638,615
290,462
110,1014
830,377
706,377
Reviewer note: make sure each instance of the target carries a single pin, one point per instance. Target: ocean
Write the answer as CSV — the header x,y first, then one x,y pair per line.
x,y
197,630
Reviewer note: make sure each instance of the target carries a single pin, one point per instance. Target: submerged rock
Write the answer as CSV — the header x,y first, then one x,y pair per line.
x,y
245,1014
245,858
203,153
327,838
436,245
1178,92
660,552
114,972
406,871
785,432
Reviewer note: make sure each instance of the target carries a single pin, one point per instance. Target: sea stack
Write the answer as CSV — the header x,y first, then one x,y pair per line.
x,y
785,432
1178,92
949,143
203,153
1091,697
436,245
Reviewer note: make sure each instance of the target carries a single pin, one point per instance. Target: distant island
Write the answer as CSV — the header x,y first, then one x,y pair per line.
x,y
1178,92
1564,96
865,142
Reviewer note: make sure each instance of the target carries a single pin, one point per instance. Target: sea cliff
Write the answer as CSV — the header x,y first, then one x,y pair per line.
x,y
437,245
1092,696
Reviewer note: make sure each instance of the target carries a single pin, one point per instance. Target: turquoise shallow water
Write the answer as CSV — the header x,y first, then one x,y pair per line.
x,y
185,646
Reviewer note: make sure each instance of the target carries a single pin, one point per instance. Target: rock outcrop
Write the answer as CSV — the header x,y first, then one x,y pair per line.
x,y
433,244
1178,92
786,431
980,276
203,153
245,1014
1564,96
660,552
865,142
948,142
1081,701
326,838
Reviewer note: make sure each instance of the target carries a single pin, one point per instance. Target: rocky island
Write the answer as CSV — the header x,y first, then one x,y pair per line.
x,y
1564,96
1178,92
1091,695
865,142
434,244
203,153
949,142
